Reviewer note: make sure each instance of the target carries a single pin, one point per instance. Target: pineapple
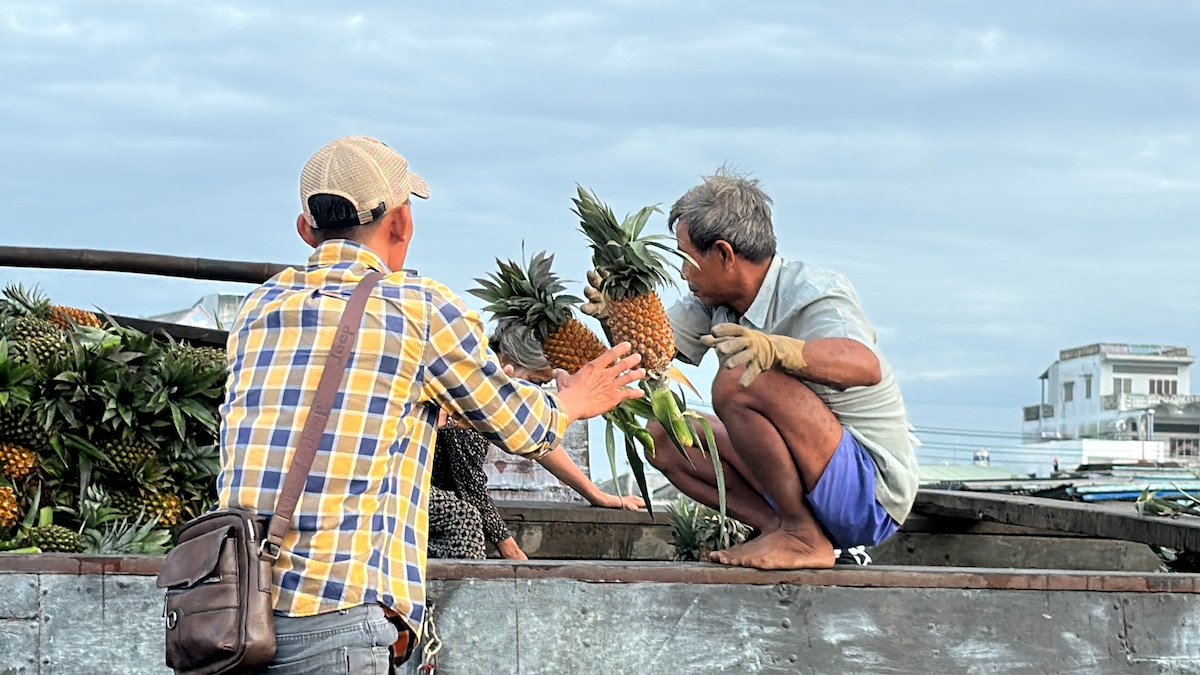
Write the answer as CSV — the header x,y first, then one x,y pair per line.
x,y
128,454
20,430
632,272
205,358
54,538
129,504
212,357
44,340
32,303
28,325
67,318
15,461
167,507
10,508
50,537
533,297
632,266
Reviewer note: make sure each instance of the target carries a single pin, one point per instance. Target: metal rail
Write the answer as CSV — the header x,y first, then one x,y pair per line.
x,y
208,269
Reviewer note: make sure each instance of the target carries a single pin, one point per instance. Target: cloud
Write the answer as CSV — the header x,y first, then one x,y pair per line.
x,y
998,182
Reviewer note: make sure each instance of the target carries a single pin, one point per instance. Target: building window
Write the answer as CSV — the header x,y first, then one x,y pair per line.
x,y
1122,385
1068,392
1185,447
1087,386
1164,387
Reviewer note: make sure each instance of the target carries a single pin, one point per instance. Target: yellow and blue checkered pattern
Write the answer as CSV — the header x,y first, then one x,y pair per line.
x,y
359,532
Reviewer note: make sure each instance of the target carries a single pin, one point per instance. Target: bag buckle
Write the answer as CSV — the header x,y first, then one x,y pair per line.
x,y
268,550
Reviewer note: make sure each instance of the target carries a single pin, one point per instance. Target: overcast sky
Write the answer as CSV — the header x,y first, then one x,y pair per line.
x,y
998,180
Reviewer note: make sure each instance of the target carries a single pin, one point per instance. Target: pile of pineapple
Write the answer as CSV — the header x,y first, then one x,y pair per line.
x,y
108,436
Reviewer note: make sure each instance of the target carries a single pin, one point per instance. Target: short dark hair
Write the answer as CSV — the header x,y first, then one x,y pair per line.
x,y
327,208
729,206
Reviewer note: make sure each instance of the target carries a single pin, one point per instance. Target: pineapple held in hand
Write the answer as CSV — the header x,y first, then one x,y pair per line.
x,y
629,268
533,297
631,271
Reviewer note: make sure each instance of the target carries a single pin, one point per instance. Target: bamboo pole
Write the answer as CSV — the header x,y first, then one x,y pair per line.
x,y
207,269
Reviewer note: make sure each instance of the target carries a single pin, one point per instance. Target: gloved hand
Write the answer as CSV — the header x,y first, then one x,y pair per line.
x,y
597,301
740,346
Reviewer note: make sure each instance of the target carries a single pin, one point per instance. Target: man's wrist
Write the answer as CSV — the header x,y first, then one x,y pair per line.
x,y
789,354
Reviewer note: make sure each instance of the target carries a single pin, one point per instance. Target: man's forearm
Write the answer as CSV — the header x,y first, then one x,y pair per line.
x,y
840,363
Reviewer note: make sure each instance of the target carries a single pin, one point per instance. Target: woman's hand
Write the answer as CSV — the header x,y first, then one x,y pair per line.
x,y
610,501
509,549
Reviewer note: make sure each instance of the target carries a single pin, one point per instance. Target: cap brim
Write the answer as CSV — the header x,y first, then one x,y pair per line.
x,y
419,187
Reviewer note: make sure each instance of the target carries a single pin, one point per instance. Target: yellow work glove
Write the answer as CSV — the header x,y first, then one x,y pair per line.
x,y
597,301
740,346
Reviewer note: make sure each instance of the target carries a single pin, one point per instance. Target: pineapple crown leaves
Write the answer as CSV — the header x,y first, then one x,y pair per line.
x,y
184,391
126,398
631,263
104,530
94,508
530,294
697,529
22,301
129,536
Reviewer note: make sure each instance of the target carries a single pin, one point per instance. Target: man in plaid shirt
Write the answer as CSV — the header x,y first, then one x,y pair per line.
x,y
358,537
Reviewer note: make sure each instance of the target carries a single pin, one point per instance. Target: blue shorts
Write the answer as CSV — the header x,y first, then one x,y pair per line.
x,y
844,498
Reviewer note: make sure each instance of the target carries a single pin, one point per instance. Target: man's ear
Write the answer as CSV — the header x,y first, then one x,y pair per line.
x,y
306,233
724,252
399,224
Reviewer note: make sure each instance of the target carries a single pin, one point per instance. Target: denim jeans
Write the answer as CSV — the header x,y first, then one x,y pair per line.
x,y
355,640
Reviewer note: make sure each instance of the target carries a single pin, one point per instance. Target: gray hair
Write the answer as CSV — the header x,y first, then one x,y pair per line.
x,y
730,206
519,345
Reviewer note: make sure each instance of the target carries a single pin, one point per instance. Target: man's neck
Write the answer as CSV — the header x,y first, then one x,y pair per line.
x,y
748,282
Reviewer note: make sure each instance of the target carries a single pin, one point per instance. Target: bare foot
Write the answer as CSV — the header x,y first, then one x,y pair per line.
x,y
778,550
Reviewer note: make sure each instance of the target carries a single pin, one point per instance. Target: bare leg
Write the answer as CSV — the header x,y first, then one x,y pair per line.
x,y
698,480
785,435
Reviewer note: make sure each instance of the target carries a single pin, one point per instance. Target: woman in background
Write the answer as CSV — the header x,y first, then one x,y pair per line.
x,y
462,515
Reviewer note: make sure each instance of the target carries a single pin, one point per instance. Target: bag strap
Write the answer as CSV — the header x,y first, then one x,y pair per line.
x,y
318,416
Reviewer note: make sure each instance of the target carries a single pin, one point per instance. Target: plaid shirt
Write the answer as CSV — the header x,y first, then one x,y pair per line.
x,y
359,532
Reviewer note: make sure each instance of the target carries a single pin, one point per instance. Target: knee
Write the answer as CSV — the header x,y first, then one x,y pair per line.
x,y
728,392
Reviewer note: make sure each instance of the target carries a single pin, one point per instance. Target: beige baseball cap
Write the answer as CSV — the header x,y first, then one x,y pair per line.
x,y
371,176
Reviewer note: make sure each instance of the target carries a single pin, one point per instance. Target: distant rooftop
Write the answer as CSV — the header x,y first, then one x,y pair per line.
x,y
215,311
1123,350
931,474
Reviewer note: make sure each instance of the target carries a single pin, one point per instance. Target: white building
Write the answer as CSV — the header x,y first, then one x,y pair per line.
x,y
1121,392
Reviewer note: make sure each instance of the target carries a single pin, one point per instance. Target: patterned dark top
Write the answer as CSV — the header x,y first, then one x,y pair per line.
x,y
458,467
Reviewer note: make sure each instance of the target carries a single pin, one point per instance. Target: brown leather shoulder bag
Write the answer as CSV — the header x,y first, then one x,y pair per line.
x,y
219,613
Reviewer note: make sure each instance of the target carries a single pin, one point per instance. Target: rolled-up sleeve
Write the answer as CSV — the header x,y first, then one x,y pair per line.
x,y
465,377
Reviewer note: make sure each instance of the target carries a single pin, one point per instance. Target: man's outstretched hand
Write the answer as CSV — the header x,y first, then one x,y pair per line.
x,y
739,346
597,301
601,385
